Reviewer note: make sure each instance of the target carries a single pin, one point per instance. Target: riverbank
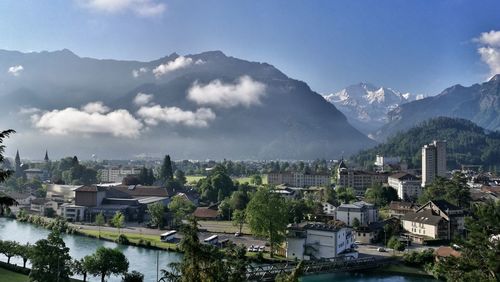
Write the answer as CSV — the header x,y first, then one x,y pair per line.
x,y
406,271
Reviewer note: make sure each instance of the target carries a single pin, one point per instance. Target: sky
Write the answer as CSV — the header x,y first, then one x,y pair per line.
x,y
420,46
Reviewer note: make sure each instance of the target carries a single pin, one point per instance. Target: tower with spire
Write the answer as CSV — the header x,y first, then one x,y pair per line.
x,y
17,162
46,159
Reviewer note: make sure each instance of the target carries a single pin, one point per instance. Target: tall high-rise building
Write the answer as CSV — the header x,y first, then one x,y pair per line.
x,y
433,161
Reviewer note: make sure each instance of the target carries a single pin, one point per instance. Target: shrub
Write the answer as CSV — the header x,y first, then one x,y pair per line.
x,y
133,276
122,239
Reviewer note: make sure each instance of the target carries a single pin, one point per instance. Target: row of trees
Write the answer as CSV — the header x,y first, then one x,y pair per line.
x,y
50,261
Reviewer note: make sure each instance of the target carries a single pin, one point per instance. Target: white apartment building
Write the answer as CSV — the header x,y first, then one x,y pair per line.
x,y
314,240
116,174
297,179
329,209
365,213
357,179
433,161
408,185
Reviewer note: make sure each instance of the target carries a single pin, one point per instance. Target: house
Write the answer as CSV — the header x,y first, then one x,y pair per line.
x,y
373,232
445,251
315,240
207,213
287,193
329,209
41,206
23,199
400,208
436,220
298,179
73,212
365,213
407,185
35,173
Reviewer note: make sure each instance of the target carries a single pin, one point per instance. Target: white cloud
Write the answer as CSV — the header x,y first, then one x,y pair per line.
x,y
119,123
144,8
95,107
245,92
139,72
489,50
29,111
142,99
15,70
152,115
179,63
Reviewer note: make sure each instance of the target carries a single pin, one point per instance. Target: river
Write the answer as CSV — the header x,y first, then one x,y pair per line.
x,y
144,260
140,259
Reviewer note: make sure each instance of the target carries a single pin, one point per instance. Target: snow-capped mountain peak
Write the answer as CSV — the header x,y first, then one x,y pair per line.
x,y
367,103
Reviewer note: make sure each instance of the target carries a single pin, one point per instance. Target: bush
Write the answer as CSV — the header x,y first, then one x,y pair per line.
x,y
122,239
133,276
419,258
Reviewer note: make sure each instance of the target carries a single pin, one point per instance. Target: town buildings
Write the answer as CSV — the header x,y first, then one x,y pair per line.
x,y
357,179
364,212
314,240
298,179
433,161
117,174
436,220
407,185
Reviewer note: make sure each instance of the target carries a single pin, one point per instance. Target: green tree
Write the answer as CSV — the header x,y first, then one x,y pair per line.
x,y
180,177
395,244
298,210
24,252
133,276
105,262
239,219
100,221
453,190
81,267
156,212
118,220
256,179
346,194
50,260
267,216
239,200
4,174
355,223
180,207
380,195
6,202
9,249
480,251
166,171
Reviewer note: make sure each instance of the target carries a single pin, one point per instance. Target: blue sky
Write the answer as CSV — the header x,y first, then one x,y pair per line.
x,y
417,46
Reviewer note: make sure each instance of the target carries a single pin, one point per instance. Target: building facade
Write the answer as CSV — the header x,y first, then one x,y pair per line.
x,y
357,179
313,241
297,179
407,185
433,161
365,213
117,174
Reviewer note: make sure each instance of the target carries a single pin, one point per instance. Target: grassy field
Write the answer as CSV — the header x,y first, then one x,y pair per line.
x,y
7,275
132,237
222,227
194,178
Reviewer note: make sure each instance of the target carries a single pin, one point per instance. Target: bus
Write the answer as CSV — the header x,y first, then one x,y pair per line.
x,y
168,236
212,240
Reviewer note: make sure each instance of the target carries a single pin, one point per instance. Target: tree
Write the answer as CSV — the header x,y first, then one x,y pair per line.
x,y
180,207
4,174
50,260
256,179
80,267
156,212
100,221
118,220
239,219
239,200
106,261
346,194
180,177
380,195
355,223
6,202
298,210
24,252
9,249
454,190
133,276
166,172
480,251
267,216
395,244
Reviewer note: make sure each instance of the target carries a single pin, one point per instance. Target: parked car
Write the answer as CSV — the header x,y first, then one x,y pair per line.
x,y
261,249
250,249
237,234
380,249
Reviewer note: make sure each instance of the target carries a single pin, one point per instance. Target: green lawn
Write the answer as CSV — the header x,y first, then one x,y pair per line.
x,y
7,275
132,237
194,178
222,226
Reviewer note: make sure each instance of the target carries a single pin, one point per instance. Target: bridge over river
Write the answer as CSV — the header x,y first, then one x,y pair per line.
x,y
268,272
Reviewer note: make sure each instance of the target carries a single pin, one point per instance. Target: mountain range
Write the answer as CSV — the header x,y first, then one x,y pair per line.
x,y
198,106
479,103
366,106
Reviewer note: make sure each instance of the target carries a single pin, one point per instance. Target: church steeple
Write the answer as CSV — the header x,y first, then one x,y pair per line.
x,y
46,159
17,162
